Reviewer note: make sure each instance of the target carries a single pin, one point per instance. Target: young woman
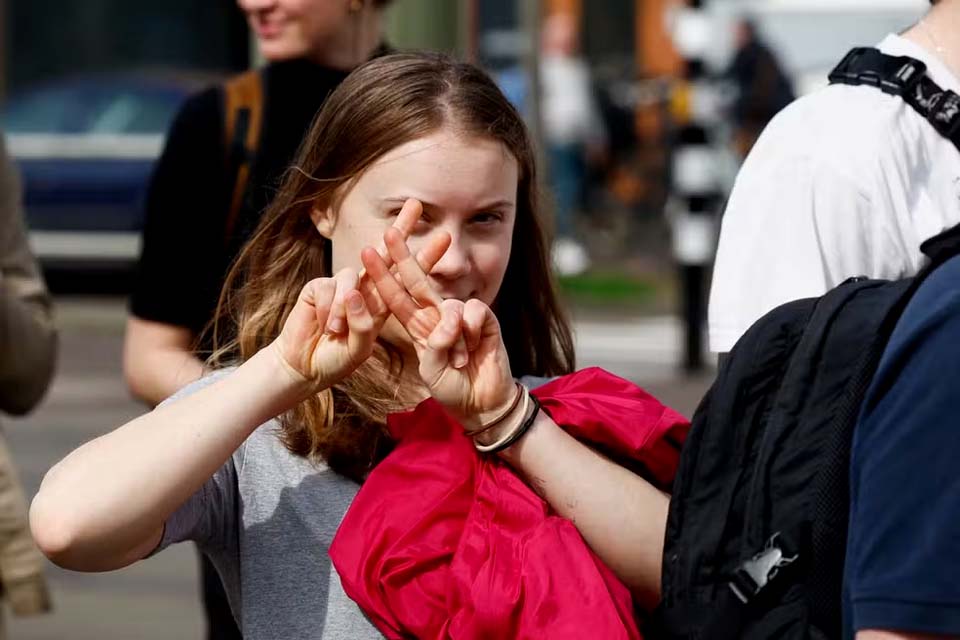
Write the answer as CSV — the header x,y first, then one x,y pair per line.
x,y
424,158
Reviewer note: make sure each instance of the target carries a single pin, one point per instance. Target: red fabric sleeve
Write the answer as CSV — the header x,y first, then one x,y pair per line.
x,y
442,542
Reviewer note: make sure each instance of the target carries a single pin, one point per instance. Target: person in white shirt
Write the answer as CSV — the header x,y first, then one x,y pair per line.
x,y
847,181
573,132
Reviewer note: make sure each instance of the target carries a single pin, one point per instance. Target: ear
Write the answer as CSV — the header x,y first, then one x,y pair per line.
x,y
324,220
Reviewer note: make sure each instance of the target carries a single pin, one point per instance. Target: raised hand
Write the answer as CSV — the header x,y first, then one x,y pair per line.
x,y
334,324
473,384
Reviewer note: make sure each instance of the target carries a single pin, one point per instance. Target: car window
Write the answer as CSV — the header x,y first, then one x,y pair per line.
x,y
149,112
45,111
92,109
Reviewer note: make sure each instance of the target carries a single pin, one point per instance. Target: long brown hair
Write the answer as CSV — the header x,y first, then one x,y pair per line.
x,y
381,105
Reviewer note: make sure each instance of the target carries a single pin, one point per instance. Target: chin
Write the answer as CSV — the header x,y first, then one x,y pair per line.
x,y
279,51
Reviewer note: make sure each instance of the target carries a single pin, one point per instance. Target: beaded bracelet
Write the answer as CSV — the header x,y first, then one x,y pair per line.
x,y
517,433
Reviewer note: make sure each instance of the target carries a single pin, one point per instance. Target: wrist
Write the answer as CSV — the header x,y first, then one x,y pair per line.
x,y
491,422
519,426
288,383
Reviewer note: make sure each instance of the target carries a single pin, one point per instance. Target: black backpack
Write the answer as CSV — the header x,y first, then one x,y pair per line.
x,y
757,529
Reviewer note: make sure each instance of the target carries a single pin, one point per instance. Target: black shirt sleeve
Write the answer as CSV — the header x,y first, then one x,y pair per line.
x,y
182,260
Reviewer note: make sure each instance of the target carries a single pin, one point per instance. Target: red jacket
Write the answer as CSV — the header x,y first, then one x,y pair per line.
x,y
442,542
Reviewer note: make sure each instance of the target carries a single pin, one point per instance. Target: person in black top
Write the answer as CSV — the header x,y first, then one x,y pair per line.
x,y
190,236
310,45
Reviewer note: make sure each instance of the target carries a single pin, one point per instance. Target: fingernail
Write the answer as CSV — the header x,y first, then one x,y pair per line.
x,y
336,325
460,360
355,304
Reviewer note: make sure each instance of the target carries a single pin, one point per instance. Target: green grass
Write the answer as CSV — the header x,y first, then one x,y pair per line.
x,y
608,288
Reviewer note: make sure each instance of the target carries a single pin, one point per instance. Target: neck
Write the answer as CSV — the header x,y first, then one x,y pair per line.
x,y
937,33
354,45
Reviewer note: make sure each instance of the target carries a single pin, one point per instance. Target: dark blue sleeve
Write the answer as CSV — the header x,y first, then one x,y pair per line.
x,y
903,552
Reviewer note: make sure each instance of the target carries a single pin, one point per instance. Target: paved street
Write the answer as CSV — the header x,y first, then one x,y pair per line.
x,y
157,599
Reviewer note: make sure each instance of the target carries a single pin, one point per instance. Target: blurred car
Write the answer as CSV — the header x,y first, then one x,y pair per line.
x,y
86,147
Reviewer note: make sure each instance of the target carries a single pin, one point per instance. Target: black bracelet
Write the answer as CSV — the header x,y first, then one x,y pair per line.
x,y
519,433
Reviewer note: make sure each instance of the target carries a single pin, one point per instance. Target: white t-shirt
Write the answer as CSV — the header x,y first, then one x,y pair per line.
x,y
569,111
844,182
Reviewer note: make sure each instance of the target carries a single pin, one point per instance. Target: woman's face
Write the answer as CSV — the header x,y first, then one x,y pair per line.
x,y
287,29
468,188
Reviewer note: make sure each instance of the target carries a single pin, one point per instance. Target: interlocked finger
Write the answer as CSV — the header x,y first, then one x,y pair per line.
x,y
391,292
406,220
319,294
411,274
346,280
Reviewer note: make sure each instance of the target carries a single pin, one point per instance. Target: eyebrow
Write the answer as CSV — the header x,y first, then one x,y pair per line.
x,y
496,204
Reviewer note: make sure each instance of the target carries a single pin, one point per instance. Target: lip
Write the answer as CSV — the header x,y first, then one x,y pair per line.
x,y
452,296
267,29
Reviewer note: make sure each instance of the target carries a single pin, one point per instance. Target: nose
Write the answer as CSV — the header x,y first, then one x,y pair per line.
x,y
456,262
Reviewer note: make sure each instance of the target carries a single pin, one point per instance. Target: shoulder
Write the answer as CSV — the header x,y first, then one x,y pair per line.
x,y
932,318
922,357
195,131
201,110
827,153
838,107
838,127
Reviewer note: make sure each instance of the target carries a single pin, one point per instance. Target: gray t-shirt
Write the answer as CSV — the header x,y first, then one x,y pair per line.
x,y
266,519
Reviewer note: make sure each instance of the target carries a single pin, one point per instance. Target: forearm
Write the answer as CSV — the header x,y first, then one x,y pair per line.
x,y
620,515
114,493
29,345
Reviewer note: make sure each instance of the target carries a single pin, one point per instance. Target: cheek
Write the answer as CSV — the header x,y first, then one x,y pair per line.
x,y
491,262
318,21
349,240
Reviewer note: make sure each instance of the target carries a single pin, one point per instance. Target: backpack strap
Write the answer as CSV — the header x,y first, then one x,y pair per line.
x,y
907,78
243,119
942,246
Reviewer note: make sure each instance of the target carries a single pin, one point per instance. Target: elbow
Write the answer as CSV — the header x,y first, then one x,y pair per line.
x,y
135,375
53,533
133,381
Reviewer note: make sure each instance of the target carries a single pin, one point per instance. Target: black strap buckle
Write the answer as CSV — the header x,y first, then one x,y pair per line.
x,y
895,75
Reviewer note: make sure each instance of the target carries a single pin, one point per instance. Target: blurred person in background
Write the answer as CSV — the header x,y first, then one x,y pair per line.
x,y
219,170
846,181
573,132
28,347
763,89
